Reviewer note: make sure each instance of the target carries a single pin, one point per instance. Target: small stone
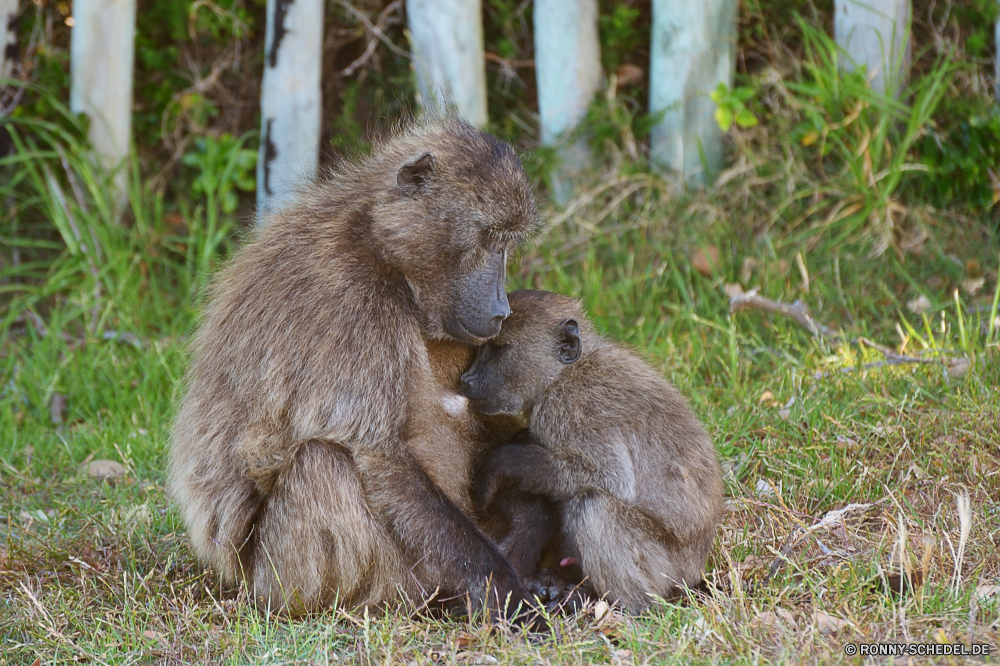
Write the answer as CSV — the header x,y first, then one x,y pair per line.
x,y
105,469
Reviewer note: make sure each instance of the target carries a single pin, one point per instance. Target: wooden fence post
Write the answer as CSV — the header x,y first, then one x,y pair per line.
x,y
568,73
290,100
8,38
693,50
446,37
102,48
875,34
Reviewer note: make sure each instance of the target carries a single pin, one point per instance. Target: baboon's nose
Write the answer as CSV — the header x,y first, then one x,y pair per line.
x,y
466,384
500,312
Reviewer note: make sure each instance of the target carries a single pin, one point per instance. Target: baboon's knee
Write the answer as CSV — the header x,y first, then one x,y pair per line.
x,y
318,541
619,557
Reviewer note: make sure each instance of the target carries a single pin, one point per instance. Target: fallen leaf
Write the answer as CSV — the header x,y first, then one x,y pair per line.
x,y
768,619
153,635
972,268
779,619
753,561
609,622
958,367
57,407
786,411
828,624
105,469
733,289
37,662
919,305
621,655
986,592
629,75
465,640
601,609
787,617
706,260
765,396
913,240
763,488
935,282
972,286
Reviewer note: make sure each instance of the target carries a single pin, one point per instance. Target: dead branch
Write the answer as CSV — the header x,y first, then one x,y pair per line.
x,y
375,33
798,311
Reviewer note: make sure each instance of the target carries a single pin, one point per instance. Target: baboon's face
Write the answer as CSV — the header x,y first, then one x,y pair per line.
x,y
479,300
467,206
512,371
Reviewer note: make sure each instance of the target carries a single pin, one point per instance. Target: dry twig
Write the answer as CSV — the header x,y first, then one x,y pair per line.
x,y
798,311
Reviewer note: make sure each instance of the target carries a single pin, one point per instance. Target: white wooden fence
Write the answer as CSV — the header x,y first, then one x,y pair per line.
x,y
693,46
290,104
8,40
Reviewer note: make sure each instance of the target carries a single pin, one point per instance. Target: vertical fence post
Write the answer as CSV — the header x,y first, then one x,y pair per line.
x,y
8,38
290,100
875,34
446,37
693,50
996,60
102,49
568,73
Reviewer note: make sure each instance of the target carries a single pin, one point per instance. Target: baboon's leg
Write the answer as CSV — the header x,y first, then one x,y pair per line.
x,y
219,505
533,525
317,540
624,553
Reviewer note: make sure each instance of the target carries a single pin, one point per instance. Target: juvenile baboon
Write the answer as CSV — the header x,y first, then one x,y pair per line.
x,y
312,455
633,473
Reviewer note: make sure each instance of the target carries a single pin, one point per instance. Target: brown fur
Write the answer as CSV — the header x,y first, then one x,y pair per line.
x,y
633,473
311,454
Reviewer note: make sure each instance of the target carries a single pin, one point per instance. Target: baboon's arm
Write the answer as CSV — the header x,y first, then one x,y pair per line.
x,y
557,475
447,545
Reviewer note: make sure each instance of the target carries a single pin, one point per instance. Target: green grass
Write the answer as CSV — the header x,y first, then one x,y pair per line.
x,y
100,572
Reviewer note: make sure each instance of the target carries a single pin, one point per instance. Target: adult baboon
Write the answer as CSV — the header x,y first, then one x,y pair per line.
x,y
632,471
311,455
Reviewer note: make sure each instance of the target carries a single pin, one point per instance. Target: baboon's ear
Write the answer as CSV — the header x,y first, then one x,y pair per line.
x,y
569,345
414,175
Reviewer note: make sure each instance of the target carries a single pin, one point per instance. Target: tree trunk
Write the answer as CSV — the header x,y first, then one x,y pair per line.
x,y
568,72
446,37
875,34
101,54
693,50
290,102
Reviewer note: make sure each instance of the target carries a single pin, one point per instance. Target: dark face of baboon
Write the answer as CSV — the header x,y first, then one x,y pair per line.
x,y
474,214
535,344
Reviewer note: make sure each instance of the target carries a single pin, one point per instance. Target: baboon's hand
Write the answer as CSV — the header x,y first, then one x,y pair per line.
x,y
512,465
489,480
512,602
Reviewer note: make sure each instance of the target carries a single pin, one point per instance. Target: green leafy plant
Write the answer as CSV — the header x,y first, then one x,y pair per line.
x,y
620,32
733,106
222,166
616,124
964,163
861,138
